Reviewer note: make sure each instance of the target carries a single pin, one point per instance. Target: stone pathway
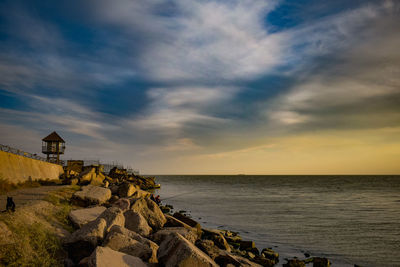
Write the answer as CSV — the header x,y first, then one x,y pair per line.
x,y
23,196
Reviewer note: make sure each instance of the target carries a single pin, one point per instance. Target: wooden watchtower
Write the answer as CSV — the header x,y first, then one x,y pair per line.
x,y
53,146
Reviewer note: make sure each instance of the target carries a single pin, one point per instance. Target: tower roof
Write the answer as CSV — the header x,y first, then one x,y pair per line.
x,y
53,137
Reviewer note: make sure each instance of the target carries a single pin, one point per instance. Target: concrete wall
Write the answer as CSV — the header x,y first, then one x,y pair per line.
x,y
17,168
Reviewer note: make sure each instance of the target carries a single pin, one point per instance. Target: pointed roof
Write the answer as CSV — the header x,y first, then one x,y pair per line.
x,y
53,137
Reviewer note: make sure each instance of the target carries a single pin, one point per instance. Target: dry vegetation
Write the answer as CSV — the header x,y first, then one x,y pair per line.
x,y
31,235
7,186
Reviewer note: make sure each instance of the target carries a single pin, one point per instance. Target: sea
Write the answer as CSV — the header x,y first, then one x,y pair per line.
x,y
348,219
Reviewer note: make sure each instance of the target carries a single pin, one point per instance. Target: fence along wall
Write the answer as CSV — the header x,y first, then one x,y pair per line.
x,y
16,168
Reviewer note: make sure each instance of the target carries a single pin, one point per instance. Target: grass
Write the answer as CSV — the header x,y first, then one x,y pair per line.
x,y
35,243
7,186
31,245
61,199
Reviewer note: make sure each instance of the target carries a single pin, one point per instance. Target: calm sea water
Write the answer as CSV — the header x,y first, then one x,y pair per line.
x,y
349,219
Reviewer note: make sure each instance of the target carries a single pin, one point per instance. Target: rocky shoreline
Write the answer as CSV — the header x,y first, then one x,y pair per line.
x,y
119,225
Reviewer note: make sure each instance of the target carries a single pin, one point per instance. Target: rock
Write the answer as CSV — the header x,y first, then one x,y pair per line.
x,y
113,216
130,246
122,203
97,179
161,235
264,261
134,221
174,222
126,189
208,247
321,262
153,246
187,220
226,258
175,250
92,195
250,255
294,263
105,257
150,211
246,245
87,175
114,189
233,239
113,199
83,263
139,193
217,238
80,217
165,209
82,242
270,254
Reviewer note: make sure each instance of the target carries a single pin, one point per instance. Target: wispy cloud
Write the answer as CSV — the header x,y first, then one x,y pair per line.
x,y
190,40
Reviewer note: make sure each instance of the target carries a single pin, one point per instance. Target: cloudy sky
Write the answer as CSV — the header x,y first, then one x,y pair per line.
x,y
206,86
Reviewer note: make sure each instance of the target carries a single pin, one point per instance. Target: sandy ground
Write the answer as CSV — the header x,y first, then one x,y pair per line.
x,y
24,196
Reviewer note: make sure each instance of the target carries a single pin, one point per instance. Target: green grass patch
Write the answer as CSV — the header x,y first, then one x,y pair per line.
x,y
36,243
31,245
62,200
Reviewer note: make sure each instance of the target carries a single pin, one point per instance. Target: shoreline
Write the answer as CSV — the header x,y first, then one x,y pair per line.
x,y
118,197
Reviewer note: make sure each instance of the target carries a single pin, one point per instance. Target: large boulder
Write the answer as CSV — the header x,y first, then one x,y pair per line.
x,y
82,242
125,244
126,189
217,238
80,217
174,222
162,234
188,221
134,221
153,246
227,259
208,247
87,175
123,203
92,195
105,257
113,216
150,211
139,193
98,179
175,250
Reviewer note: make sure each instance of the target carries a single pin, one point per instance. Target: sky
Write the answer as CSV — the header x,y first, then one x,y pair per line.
x,y
206,86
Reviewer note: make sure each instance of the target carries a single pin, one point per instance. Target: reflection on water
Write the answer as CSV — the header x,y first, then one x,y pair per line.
x,y
350,219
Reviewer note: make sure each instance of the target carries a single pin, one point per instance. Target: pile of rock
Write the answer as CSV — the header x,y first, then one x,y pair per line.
x,y
94,175
133,231
124,227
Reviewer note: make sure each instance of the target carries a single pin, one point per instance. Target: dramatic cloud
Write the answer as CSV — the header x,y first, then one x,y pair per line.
x,y
156,83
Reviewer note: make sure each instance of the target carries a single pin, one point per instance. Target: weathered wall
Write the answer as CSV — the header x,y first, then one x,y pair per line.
x,y
17,168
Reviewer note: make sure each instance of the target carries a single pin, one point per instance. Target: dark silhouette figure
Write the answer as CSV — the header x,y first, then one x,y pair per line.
x,y
10,204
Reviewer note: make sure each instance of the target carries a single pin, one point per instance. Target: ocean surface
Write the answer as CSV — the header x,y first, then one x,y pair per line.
x,y
349,219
